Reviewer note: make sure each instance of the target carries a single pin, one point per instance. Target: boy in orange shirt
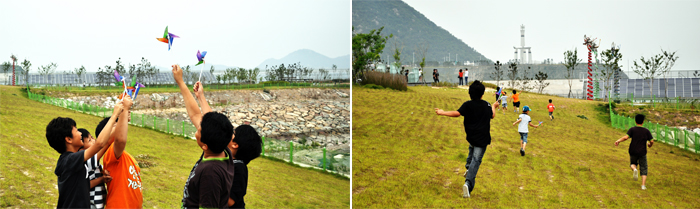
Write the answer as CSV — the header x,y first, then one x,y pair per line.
x,y
124,191
550,107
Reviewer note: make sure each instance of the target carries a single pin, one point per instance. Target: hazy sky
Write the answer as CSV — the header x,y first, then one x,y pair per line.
x,y
235,33
642,28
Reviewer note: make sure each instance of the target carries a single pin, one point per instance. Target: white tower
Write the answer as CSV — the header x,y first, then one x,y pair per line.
x,y
524,50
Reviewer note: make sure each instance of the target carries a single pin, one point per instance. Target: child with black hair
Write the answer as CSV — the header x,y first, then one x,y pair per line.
x,y
63,136
210,180
523,121
245,147
124,190
550,108
641,138
477,124
516,101
96,175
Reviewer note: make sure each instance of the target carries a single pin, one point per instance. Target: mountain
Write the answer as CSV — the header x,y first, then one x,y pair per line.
x,y
309,58
411,28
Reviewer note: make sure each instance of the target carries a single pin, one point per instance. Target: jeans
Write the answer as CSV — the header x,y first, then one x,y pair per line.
x,y
473,163
460,81
466,80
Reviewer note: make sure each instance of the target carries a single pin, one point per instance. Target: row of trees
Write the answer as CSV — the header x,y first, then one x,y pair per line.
x,y
520,79
239,75
44,70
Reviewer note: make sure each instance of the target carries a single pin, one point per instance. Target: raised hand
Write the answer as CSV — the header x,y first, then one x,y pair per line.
x,y
127,102
177,73
198,90
118,108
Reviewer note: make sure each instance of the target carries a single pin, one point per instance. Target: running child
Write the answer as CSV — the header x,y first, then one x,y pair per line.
x,y
550,107
504,102
524,120
641,138
63,136
477,123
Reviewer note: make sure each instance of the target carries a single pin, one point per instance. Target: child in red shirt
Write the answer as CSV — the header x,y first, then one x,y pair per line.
x,y
550,107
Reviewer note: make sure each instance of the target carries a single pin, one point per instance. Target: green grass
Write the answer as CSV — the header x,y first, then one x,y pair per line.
x,y
88,91
404,155
27,164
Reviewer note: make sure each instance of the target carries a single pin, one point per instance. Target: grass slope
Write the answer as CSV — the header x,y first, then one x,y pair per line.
x,y
404,155
27,164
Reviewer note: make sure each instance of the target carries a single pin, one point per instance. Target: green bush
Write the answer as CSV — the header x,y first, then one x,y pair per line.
x,y
388,80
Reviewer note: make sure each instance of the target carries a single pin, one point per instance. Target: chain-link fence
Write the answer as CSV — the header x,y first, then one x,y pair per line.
x,y
313,155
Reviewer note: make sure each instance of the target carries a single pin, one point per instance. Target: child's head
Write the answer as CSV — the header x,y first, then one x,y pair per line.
x,y
215,132
526,109
550,100
639,119
102,125
460,70
504,93
247,143
476,90
61,132
513,91
87,139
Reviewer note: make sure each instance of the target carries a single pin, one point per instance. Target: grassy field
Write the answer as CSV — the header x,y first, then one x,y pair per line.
x,y
27,164
404,155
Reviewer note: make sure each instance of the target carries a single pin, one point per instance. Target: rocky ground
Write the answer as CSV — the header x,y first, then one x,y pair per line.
x,y
304,116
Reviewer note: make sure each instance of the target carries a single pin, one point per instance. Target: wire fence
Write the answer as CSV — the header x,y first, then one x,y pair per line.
x,y
304,155
677,103
685,139
236,86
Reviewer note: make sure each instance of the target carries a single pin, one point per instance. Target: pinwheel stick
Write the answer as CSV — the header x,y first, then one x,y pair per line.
x,y
200,72
124,85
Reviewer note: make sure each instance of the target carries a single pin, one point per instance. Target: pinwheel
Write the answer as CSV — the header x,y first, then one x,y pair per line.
x,y
122,80
200,57
168,38
137,86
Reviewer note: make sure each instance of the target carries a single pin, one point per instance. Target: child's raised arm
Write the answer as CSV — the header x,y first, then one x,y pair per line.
x,y
103,138
120,132
534,125
199,93
192,109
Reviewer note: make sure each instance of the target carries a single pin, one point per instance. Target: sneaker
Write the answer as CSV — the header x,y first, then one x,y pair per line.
x,y
644,187
635,176
465,190
522,152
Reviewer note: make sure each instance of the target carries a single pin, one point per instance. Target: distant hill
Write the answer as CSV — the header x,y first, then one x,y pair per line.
x,y
309,58
411,28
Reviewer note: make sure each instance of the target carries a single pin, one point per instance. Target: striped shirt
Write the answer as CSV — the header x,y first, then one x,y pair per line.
x,y
98,192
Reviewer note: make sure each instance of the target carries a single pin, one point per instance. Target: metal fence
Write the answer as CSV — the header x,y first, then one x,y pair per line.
x,y
306,155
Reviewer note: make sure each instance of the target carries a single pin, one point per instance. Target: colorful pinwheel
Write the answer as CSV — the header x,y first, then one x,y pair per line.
x,y
200,57
136,92
168,38
122,80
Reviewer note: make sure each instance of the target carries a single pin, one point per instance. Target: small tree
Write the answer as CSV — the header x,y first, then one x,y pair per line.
x,y
26,65
611,60
650,68
47,70
498,72
571,60
398,48
366,48
541,81
669,61
6,66
79,72
512,73
186,74
525,80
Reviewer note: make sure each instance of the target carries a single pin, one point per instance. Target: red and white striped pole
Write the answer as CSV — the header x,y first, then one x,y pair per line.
x,y
589,87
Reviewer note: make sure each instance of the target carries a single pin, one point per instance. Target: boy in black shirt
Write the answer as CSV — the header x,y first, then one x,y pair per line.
x,y
212,175
641,138
477,123
245,147
64,137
